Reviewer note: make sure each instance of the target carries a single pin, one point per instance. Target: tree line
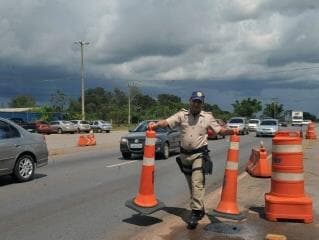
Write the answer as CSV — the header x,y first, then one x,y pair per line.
x,y
113,105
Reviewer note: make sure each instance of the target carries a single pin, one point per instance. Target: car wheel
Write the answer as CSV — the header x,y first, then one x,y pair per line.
x,y
126,155
107,131
165,152
24,168
60,131
257,135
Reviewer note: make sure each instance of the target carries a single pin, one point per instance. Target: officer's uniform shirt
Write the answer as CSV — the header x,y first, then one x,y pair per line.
x,y
193,129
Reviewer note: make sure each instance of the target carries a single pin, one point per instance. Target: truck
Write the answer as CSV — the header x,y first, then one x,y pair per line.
x,y
296,118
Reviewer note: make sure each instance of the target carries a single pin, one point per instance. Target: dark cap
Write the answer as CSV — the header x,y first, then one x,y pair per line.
x,y
198,95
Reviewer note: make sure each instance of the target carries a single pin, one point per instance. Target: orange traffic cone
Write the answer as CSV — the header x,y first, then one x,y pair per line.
x,y
311,131
227,207
258,164
145,202
82,141
91,139
287,199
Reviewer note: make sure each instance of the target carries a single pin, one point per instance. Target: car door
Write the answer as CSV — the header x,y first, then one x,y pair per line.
x,y
10,145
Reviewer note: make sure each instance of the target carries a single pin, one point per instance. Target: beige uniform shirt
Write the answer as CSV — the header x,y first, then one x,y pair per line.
x,y
193,129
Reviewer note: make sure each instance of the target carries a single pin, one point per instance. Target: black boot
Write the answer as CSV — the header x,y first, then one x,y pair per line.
x,y
196,215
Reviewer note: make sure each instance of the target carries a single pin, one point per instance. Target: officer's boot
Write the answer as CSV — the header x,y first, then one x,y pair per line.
x,y
195,216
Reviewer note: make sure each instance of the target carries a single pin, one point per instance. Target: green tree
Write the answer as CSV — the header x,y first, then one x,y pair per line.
x,y
21,101
274,110
247,107
309,116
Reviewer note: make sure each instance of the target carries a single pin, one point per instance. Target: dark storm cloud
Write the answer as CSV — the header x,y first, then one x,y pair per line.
x,y
232,48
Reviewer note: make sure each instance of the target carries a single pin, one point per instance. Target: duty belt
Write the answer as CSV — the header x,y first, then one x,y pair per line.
x,y
190,152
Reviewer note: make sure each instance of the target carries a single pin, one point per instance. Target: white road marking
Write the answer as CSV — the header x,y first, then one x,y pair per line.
x,y
120,164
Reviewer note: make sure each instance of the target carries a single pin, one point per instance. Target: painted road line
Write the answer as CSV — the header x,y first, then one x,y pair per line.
x,y
120,164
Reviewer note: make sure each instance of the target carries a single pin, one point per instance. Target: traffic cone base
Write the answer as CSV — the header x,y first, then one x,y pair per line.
x,y
144,210
280,208
238,217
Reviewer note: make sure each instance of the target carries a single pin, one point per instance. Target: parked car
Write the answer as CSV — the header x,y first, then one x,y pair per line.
x,y
253,124
81,125
101,126
62,126
212,135
240,123
44,127
26,125
267,127
167,141
20,151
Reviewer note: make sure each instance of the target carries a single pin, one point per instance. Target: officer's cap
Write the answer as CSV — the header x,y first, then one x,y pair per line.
x,y
198,95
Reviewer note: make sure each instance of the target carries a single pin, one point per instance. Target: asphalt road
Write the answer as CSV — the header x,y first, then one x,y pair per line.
x,y
82,195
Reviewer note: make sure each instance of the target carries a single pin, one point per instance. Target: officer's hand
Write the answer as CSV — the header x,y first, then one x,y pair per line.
x,y
152,125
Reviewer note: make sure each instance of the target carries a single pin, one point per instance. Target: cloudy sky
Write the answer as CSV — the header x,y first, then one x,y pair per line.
x,y
230,49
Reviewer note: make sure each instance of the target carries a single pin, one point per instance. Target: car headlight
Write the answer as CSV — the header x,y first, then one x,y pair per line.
x,y
124,140
158,140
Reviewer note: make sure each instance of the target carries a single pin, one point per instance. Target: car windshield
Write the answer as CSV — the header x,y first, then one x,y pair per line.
x,y
142,127
253,121
84,122
269,123
236,120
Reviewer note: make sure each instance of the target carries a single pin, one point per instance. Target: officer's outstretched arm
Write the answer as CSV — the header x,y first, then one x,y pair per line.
x,y
226,131
160,123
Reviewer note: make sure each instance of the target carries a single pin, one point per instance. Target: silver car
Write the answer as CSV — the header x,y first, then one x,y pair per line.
x,y
81,125
101,126
20,151
267,127
62,126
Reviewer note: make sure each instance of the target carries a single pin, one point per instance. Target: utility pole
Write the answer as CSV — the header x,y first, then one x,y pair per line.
x,y
82,44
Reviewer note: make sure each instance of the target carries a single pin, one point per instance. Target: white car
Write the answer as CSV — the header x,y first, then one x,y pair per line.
x,y
240,123
253,124
267,127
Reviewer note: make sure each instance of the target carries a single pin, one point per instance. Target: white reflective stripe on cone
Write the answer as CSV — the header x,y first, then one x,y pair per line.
x,y
150,141
234,145
287,148
231,165
287,176
148,161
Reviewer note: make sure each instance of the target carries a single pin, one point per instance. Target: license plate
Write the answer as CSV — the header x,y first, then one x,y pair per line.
x,y
136,145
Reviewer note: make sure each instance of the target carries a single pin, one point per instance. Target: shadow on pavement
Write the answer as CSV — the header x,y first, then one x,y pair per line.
x,y
8,179
179,212
259,210
142,220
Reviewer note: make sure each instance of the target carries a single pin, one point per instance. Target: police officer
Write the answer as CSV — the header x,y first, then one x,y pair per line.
x,y
193,124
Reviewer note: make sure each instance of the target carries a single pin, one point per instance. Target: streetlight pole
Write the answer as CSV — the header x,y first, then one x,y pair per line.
x,y
82,44
129,105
